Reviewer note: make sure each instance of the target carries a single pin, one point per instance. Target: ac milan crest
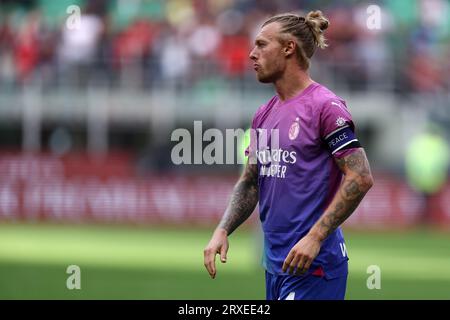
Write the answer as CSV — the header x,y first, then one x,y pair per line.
x,y
294,129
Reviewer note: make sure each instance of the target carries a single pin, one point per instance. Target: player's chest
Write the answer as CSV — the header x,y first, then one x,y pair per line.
x,y
289,128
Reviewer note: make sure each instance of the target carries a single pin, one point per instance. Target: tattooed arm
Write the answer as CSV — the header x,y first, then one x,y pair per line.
x,y
243,201
357,181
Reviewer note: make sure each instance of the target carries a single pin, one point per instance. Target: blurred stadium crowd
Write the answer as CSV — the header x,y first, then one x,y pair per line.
x,y
141,43
96,102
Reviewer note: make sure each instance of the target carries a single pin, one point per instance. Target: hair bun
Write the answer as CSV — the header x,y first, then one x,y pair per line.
x,y
318,23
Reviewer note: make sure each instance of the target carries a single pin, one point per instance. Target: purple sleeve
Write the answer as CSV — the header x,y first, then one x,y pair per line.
x,y
337,127
344,153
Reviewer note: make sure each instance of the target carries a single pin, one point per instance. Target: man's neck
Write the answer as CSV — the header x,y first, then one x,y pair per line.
x,y
292,84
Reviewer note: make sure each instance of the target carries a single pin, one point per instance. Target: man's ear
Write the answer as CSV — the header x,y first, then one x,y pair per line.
x,y
289,48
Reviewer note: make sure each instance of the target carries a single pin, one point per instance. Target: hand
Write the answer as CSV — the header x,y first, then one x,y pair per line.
x,y
302,255
217,245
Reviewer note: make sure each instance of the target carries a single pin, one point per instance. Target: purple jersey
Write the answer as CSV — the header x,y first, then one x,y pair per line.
x,y
298,178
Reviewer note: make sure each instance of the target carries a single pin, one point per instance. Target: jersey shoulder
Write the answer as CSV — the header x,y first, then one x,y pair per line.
x,y
325,98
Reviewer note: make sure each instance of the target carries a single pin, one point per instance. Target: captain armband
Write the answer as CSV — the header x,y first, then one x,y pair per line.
x,y
341,139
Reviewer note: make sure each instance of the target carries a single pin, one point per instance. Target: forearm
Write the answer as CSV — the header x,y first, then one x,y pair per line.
x,y
242,203
347,199
357,182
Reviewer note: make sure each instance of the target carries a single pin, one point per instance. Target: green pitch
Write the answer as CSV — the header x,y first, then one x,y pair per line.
x,y
167,263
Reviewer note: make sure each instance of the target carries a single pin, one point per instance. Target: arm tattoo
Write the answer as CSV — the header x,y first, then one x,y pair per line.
x,y
357,182
243,200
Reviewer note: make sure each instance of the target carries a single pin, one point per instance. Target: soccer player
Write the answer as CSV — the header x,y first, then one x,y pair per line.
x,y
311,182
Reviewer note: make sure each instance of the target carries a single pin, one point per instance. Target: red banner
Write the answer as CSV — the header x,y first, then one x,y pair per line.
x,y
77,188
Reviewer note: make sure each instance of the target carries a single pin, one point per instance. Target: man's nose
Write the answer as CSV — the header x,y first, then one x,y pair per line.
x,y
252,55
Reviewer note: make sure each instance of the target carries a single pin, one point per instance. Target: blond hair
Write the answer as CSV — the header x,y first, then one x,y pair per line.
x,y
308,32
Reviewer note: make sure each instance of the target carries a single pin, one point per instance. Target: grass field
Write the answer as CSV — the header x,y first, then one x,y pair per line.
x,y
167,263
